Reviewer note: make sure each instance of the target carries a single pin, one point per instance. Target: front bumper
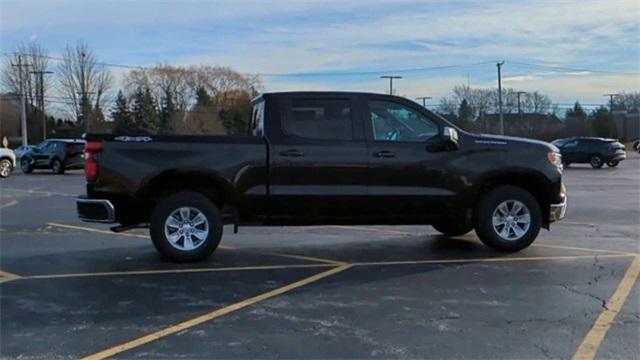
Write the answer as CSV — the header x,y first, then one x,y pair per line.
x,y
95,210
558,211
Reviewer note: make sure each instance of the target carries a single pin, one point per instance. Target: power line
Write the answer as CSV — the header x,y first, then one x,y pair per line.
x,y
298,74
373,72
565,68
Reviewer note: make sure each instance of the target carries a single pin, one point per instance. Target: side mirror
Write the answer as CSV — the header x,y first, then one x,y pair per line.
x,y
450,137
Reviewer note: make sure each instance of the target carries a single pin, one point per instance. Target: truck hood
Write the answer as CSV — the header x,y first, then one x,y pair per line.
x,y
491,139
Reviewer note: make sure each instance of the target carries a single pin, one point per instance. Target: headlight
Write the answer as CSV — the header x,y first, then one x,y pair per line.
x,y
555,159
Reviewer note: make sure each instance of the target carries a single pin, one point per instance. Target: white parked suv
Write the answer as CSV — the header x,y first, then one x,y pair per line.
x,y
7,162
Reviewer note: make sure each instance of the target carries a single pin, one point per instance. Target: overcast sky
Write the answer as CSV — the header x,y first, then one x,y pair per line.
x,y
595,44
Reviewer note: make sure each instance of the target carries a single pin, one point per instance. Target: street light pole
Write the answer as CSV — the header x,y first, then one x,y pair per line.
x,y
391,77
499,65
424,100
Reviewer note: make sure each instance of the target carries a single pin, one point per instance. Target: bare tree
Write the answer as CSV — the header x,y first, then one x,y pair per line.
x,y
36,57
83,83
164,81
629,101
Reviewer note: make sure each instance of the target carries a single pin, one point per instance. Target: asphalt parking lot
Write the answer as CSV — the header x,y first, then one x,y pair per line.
x,y
72,289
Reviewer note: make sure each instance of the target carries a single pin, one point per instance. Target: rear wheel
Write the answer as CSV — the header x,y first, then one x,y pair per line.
x,y
186,226
25,166
57,166
453,227
508,218
612,163
5,168
596,162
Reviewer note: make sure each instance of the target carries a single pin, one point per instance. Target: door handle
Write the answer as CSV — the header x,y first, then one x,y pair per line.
x,y
292,153
384,154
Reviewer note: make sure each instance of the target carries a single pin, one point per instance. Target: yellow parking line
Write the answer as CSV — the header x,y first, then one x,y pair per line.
x,y
108,232
589,346
362,228
471,238
214,314
89,229
9,204
497,259
7,276
175,271
47,193
307,258
577,223
582,249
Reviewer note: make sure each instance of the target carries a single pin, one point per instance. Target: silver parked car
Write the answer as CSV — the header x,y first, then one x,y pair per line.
x,y
7,162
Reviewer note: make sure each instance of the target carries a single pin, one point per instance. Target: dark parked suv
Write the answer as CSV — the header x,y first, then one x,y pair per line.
x,y
56,154
591,150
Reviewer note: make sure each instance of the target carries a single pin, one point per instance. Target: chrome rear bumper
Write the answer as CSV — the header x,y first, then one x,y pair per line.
x,y
95,210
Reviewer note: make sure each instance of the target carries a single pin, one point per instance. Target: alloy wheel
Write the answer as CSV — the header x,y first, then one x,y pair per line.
x,y
5,168
186,228
511,220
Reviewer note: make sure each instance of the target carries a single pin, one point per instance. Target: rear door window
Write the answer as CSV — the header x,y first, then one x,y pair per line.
x,y
75,148
322,119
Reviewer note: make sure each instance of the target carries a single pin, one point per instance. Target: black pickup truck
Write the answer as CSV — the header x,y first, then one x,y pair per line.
x,y
312,158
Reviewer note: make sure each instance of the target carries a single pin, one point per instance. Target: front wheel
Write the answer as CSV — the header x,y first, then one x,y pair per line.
x,y
186,226
612,163
5,168
508,218
57,166
453,227
596,162
25,166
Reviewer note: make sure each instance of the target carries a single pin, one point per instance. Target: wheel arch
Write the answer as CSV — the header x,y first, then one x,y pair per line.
x,y
534,183
12,161
209,183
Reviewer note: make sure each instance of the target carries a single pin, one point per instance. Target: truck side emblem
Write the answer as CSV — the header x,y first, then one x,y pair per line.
x,y
133,138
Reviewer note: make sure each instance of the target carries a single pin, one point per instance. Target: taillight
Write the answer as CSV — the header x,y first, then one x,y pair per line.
x,y
91,166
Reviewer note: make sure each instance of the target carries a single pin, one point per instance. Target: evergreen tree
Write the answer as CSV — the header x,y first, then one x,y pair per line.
x,y
144,112
122,119
465,115
576,112
602,123
166,114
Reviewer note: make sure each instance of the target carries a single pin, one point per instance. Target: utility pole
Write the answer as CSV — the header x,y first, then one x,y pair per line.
x,y
611,96
40,96
391,77
23,105
424,100
499,65
624,118
520,93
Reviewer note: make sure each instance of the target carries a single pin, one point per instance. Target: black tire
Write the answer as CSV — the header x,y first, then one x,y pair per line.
x,y
489,204
596,162
5,168
168,206
57,166
25,166
613,163
453,227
